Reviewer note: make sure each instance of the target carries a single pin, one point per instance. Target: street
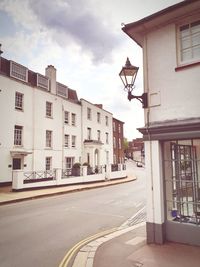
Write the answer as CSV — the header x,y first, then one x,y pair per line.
x,y
40,232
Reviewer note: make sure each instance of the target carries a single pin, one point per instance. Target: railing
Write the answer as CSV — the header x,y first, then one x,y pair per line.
x,y
114,167
94,170
39,176
73,172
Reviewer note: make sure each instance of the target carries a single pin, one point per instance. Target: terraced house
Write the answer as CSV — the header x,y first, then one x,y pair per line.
x,y
170,40
44,126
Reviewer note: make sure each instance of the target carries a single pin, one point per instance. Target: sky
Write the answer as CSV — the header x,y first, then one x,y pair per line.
x,y
83,40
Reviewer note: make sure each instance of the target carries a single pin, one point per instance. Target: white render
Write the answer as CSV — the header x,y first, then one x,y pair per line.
x,y
35,123
172,117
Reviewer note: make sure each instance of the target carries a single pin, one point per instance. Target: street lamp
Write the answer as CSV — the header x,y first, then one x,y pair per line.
x,y
128,75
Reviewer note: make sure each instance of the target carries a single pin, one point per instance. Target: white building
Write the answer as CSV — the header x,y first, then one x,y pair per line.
x,y
170,40
44,126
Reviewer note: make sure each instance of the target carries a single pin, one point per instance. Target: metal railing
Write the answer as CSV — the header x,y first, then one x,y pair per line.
x,y
39,176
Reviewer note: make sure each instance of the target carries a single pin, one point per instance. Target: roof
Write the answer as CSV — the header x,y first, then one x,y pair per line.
x,y
136,30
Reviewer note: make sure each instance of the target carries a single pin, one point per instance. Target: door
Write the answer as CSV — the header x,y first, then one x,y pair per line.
x,y
16,164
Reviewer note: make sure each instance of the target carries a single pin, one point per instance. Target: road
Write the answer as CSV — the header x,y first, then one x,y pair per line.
x,y
39,232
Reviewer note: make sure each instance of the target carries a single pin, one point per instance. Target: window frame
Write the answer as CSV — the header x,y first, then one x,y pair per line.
x,y
49,109
17,101
66,117
192,60
66,140
18,135
73,141
49,135
89,114
49,164
73,117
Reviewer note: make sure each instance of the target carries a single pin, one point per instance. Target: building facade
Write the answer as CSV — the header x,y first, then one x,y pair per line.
x,y
135,150
170,40
118,141
44,126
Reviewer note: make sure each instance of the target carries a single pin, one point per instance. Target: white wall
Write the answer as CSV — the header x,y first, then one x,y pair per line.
x,y
94,125
175,94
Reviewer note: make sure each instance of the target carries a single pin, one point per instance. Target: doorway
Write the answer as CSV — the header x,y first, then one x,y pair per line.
x,y
16,164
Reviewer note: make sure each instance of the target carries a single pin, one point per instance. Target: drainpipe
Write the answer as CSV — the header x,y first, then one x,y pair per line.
x,y
146,83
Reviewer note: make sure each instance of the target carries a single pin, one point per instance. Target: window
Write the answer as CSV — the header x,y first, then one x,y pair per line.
x,y
66,117
120,144
48,163
98,117
106,118
89,114
119,128
19,101
18,135
114,142
62,90
107,138
18,71
114,126
73,119
189,40
48,138
182,180
98,135
66,144
89,135
49,109
42,82
73,141
69,162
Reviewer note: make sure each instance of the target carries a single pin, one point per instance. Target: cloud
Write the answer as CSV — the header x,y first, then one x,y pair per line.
x,y
76,22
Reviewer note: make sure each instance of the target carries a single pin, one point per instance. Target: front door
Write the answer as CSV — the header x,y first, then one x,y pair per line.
x,y
16,164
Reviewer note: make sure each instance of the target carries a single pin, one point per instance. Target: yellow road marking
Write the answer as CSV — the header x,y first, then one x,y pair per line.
x,y
83,242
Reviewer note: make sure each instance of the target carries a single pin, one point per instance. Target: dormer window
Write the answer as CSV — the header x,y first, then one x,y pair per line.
x,y
62,90
42,82
18,71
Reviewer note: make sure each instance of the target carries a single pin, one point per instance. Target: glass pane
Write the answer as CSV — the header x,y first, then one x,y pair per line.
x,y
196,39
195,26
185,43
196,52
186,54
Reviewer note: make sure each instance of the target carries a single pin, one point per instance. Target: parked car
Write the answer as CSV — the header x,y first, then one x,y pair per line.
x,y
139,164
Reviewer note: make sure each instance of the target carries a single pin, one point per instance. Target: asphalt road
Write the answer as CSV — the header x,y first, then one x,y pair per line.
x,y
40,232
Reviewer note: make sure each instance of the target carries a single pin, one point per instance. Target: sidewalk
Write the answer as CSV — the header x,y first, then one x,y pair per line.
x,y
130,250
8,196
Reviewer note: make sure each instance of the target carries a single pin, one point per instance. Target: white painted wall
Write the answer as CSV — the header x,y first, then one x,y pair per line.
x,y
94,125
172,95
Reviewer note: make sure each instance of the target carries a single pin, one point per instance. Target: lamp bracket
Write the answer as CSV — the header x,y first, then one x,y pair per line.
x,y
142,98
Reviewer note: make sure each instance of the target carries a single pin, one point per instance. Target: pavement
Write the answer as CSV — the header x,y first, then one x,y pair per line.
x,y
124,246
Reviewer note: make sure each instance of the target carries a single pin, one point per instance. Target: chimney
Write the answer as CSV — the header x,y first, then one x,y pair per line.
x,y
50,72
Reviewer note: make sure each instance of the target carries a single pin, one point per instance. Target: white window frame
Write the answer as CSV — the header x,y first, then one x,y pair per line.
x,y
62,90
98,117
106,118
189,39
89,133
67,140
48,163
69,162
66,117
73,141
43,82
73,115
18,135
49,109
89,114
48,139
99,135
107,138
19,101
18,71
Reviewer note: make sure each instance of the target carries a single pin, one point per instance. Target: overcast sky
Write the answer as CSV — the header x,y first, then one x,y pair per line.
x,y
84,41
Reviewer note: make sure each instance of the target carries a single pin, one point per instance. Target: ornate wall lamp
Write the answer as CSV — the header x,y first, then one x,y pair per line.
x,y
128,75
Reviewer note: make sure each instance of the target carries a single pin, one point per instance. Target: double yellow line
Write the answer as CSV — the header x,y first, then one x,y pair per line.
x,y
70,254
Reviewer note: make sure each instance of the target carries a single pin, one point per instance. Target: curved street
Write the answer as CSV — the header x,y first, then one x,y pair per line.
x,y
39,232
